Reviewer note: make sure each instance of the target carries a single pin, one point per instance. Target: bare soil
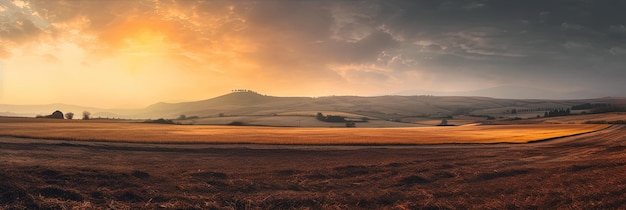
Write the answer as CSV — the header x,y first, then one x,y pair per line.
x,y
580,172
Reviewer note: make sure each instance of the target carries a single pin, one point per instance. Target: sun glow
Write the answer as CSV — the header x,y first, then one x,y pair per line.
x,y
146,43
144,49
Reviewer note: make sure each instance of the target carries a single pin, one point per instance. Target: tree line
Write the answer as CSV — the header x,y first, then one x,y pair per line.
x,y
557,112
59,115
330,118
516,111
337,119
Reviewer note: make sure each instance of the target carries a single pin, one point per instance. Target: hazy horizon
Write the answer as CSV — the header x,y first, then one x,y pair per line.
x,y
130,54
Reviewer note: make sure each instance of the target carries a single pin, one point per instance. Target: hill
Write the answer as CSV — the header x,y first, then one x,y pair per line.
x,y
236,103
46,109
255,108
386,107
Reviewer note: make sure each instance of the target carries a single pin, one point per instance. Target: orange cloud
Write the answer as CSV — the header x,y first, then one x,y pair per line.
x,y
148,51
137,34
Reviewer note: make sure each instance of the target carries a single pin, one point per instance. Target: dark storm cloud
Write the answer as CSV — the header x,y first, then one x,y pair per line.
x,y
529,39
533,43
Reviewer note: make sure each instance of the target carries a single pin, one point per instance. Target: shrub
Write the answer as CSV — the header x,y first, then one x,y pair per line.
x,y
86,115
237,123
330,118
160,121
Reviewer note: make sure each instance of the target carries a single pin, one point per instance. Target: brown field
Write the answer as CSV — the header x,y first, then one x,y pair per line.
x,y
367,168
159,133
292,121
579,172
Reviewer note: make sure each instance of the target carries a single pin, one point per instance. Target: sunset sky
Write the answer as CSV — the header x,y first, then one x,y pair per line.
x,y
130,54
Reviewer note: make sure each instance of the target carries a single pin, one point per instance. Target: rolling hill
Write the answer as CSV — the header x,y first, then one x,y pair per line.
x,y
252,104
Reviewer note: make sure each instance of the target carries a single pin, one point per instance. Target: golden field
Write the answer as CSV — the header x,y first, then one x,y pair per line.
x,y
159,133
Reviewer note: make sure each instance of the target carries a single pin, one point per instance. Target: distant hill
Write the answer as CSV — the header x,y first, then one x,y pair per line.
x,y
237,103
254,104
46,109
387,107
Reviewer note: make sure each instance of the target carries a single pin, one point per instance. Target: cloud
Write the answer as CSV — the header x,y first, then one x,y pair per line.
x,y
364,74
475,5
575,45
313,43
617,50
18,29
572,26
617,28
353,22
20,3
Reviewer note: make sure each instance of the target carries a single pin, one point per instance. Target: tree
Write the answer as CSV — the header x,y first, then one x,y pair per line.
x,y
56,115
182,117
86,115
320,116
160,121
330,118
335,118
69,115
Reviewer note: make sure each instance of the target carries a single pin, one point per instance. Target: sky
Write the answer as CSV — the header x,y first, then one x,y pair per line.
x,y
130,54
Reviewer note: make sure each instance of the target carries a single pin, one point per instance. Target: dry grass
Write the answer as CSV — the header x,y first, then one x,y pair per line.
x,y
289,121
581,172
157,133
313,113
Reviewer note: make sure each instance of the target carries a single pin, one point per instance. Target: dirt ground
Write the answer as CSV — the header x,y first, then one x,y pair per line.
x,y
580,172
